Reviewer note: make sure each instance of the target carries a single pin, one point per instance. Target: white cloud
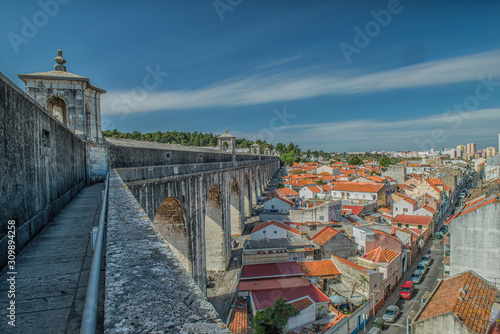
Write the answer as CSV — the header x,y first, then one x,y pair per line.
x,y
298,85
437,131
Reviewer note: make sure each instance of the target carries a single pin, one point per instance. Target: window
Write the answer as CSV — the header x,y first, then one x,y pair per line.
x,y
275,232
264,231
399,225
419,227
45,141
45,138
321,217
167,155
312,228
407,226
405,210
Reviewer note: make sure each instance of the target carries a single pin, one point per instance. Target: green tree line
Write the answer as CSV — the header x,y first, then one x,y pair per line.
x,y
290,153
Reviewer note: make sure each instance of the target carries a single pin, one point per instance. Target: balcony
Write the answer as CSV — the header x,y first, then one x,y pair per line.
x,y
446,260
446,240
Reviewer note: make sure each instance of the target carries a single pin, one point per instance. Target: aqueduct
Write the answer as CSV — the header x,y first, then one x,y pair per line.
x,y
198,209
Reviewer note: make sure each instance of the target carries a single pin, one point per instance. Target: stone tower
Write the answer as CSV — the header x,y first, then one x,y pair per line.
x,y
76,103
71,98
227,143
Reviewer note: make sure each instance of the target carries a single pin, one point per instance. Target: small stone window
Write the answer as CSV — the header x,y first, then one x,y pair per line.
x,y
45,142
167,155
45,138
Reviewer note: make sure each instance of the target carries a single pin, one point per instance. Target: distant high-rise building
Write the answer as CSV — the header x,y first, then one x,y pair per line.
x,y
453,153
471,148
462,148
459,153
490,151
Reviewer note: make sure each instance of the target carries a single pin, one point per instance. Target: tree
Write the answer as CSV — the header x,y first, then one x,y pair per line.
x,y
274,319
320,182
355,160
384,161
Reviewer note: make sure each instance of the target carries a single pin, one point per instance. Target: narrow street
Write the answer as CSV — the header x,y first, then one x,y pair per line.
x,y
436,270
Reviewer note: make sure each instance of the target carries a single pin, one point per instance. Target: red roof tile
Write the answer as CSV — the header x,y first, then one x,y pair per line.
x,y
263,299
272,283
302,303
250,271
412,220
324,235
359,187
467,296
355,209
319,268
380,255
239,319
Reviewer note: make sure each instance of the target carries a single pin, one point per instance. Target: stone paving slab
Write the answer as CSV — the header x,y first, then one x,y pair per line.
x,y
52,272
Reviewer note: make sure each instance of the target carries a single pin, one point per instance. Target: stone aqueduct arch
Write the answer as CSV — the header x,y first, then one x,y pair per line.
x,y
197,214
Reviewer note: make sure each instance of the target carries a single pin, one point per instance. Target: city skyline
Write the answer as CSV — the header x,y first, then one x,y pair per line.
x,y
297,73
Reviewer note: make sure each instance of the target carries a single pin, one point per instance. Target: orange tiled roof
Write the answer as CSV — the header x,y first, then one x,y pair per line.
x,y
315,189
359,187
275,223
380,254
318,268
287,192
430,209
412,220
409,200
468,296
326,234
239,320
302,303
475,206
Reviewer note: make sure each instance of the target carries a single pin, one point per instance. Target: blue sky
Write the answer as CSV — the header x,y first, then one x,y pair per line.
x,y
277,70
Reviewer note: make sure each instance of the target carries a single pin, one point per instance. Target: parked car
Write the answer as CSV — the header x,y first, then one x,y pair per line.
x,y
423,267
417,277
391,313
375,330
427,258
407,290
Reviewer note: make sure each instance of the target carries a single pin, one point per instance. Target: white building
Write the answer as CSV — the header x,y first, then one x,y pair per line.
x,y
278,204
273,230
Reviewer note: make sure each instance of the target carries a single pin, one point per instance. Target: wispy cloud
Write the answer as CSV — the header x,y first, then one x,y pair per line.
x,y
279,62
299,85
479,126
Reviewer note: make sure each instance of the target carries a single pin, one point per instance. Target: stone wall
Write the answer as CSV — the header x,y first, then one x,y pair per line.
x,y
328,212
474,242
42,165
147,288
134,153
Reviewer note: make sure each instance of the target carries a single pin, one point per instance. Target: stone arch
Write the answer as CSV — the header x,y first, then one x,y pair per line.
x,y
172,222
246,196
57,107
235,209
254,188
214,231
